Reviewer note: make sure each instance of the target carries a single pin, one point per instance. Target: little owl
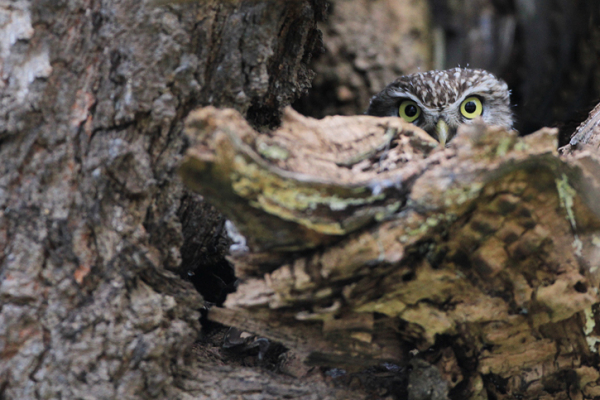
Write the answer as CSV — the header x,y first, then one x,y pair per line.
x,y
439,101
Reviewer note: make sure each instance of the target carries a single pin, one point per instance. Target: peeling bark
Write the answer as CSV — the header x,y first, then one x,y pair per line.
x,y
480,257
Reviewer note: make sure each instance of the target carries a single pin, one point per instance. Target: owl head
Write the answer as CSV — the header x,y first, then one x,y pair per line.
x,y
440,101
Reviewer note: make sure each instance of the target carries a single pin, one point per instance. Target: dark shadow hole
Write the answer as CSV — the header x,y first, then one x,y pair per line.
x,y
408,277
581,287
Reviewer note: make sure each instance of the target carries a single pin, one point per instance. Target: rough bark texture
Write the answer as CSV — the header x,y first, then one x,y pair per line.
x,y
478,260
93,95
367,44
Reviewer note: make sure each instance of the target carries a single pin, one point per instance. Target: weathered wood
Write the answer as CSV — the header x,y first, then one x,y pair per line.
x,y
490,246
305,184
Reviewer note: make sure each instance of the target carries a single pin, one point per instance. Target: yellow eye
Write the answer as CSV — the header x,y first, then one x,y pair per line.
x,y
409,110
471,107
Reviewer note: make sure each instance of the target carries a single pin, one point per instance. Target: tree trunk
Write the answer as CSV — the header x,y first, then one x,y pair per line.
x,y
93,98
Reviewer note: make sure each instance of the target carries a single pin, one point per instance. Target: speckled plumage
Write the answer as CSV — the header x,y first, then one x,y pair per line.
x,y
439,95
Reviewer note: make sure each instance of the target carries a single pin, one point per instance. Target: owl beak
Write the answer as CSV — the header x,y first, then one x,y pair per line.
x,y
441,131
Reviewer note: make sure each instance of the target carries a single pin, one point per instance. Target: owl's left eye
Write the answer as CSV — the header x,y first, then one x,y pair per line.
x,y
409,110
471,107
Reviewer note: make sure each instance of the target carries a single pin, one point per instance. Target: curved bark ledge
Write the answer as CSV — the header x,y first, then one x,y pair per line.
x,y
307,183
485,251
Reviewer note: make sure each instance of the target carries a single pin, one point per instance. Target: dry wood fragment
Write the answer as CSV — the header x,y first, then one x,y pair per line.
x,y
307,184
487,249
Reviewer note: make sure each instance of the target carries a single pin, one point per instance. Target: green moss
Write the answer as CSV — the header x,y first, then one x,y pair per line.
x,y
389,210
432,221
567,198
503,146
273,152
293,201
521,146
567,195
590,324
389,307
458,196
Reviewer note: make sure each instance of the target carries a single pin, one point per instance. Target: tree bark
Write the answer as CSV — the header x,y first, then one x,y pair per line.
x,y
367,44
93,95
478,259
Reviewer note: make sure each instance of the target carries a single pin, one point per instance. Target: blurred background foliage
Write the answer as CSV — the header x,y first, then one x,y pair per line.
x,y
548,51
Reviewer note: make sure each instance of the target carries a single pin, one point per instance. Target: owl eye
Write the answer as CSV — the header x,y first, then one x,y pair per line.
x,y
471,107
409,110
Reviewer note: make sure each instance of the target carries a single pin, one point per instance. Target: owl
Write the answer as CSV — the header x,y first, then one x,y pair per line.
x,y
440,101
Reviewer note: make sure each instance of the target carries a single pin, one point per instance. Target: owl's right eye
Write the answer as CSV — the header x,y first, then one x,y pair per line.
x,y
409,110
